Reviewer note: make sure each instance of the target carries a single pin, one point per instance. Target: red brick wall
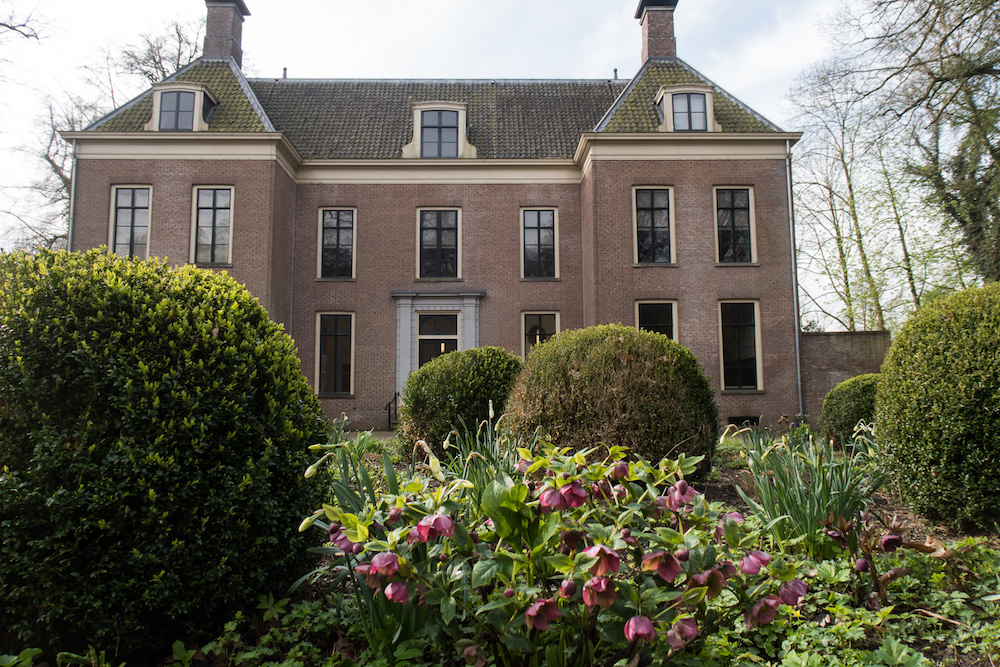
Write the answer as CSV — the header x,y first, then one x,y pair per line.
x,y
829,358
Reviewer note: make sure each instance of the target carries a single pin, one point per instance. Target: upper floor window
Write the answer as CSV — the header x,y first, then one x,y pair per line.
x,y
653,224
734,215
439,131
177,110
181,106
336,243
439,134
439,255
213,218
690,112
656,316
540,248
130,225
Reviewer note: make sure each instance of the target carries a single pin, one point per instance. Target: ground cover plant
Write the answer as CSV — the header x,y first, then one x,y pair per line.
x,y
153,429
620,386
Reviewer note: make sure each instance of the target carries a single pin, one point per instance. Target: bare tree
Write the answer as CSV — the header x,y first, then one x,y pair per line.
x,y
18,25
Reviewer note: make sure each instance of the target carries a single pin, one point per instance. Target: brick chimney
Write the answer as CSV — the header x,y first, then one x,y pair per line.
x,y
657,20
224,29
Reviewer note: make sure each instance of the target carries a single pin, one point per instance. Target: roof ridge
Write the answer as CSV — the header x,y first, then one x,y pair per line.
x,y
272,80
622,96
738,102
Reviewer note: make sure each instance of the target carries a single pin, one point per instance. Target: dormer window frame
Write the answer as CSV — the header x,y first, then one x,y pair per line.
x,y
664,102
465,149
205,102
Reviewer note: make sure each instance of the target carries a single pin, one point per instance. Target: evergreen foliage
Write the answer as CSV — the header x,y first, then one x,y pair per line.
x,y
848,403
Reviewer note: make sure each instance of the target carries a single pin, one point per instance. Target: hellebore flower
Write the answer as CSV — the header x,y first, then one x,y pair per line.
x,y
385,563
619,470
540,613
551,500
683,555
372,578
861,565
338,537
621,493
434,526
727,569
397,592
729,516
754,561
573,494
602,489
681,494
523,465
682,632
571,538
666,565
607,560
474,656
890,542
639,627
599,591
792,591
395,514
567,589
763,612
714,580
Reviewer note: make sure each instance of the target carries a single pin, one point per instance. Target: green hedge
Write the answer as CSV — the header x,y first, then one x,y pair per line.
x,y
153,433
937,410
453,387
848,403
620,386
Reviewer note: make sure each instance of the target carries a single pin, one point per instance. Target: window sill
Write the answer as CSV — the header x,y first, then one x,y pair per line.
x,y
321,279
664,265
742,392
219,265
541,279
438,280
735,264
336,396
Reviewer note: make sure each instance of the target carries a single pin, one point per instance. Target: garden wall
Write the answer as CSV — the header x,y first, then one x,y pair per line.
x,y
829,358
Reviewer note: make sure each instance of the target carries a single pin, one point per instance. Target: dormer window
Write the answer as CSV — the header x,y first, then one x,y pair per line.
x,y
181,106
439,132
686,109
177,110
690,114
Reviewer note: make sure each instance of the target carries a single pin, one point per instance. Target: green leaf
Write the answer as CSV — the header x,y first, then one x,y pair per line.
x,y
518,643
561,563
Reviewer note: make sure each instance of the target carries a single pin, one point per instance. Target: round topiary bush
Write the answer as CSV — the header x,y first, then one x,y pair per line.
x,y
454,386
620,386
937,409
154,426
848,403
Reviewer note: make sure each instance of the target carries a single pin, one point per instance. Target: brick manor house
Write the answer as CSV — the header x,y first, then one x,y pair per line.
x,y
384,222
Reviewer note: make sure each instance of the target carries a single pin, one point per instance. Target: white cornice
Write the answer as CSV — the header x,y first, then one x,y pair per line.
x,y
462,171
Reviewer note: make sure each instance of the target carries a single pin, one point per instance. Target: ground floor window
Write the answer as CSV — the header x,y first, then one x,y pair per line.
x,y
739,345
335,357
538,328
437,334
656,316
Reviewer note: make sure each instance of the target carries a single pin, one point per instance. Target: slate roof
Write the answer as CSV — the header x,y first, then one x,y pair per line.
x,y
635,111
373,119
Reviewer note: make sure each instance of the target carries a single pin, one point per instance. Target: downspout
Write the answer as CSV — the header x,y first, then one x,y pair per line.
x,y
795,274
72,200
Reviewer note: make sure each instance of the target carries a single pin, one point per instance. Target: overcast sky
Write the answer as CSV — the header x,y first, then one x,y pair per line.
x,y
752,49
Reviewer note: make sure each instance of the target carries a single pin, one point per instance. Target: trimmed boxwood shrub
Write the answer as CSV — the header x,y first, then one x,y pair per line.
x,y
620,386
848,403
937,409
154,427
453,387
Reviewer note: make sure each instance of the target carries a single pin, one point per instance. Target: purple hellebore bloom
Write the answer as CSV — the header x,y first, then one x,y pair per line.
x,y
666,565
372,578
567,589
540,613
792,591
397,592
890,542
573,494
607,559
861,565
754,561
714,580
729,516
619,470
551,500
763,612
474,656
385,563
681,494
433,526
682,632
639,627
395,514
598,592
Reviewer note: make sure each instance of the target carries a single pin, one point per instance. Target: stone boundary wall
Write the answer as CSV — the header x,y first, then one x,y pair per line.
x,y
829,358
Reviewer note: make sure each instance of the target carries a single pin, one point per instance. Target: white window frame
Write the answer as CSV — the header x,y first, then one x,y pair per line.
x,y
458,271
319,243
664,100
753,224
524,330
465,149
758,351
193,250
457,314
114,206
635,225
673,312
555,233
354,351
201,93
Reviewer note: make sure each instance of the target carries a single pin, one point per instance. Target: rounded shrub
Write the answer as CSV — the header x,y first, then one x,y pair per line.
x,y
620,386
456,387
154,426
848,403
937,409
